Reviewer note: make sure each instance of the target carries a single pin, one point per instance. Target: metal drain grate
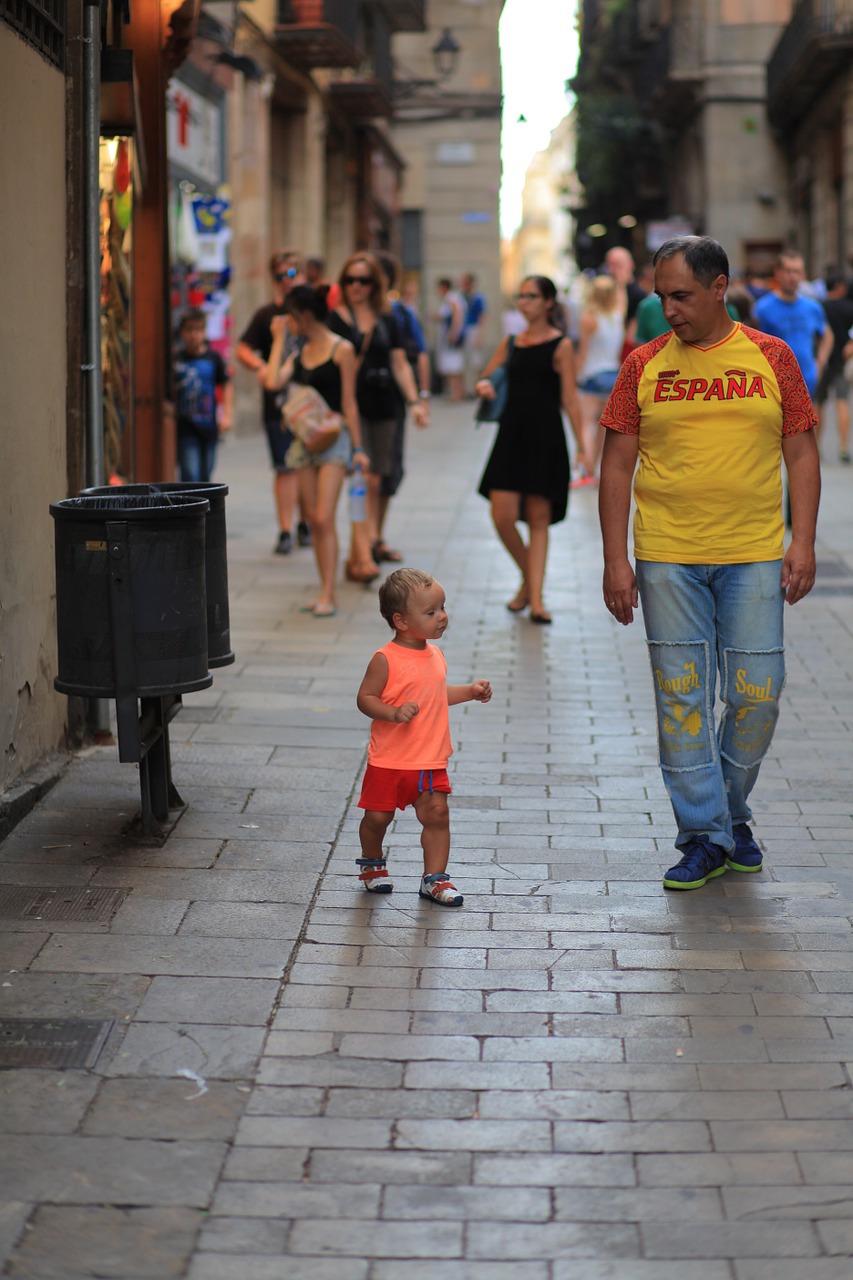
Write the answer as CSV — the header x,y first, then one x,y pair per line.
x,y
62,903
60,1043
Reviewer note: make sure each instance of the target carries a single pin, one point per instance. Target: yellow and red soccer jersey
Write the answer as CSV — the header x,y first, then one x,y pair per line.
x,y
710,422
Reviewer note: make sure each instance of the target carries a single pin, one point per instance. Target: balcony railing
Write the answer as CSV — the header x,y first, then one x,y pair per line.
x,y
319,33
405,15
815,46
365,92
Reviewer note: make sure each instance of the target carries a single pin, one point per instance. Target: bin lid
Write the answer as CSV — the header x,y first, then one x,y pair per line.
x,y
135,506
194,487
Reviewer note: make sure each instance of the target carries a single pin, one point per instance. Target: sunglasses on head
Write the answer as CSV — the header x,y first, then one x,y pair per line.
x,y
358,280
287,274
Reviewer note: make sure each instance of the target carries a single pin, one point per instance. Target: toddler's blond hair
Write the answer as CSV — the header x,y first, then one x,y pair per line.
x,y
396,591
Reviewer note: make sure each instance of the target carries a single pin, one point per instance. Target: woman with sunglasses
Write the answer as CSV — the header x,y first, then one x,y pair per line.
x,y
364,318
253,352
527,475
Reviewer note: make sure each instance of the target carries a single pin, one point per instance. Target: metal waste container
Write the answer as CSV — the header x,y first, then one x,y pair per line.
x,y
219,651
131,609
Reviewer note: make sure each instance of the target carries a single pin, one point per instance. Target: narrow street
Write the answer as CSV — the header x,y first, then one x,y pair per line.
x,y
575,1077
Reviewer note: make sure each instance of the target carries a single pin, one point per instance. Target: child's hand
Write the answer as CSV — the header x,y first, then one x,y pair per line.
x,y
481,691
406,712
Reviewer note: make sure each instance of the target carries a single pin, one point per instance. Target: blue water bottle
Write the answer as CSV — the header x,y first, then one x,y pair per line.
x,y
357,497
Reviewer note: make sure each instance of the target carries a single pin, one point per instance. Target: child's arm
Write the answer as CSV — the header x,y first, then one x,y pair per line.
x,y
226,409
479,691
369,698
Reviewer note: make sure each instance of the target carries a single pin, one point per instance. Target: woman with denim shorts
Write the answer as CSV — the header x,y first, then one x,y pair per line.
x,y
602,336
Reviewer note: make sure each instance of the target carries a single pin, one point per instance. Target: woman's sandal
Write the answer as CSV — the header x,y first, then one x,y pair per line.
x,y
519,602
381,551
364,575
543,619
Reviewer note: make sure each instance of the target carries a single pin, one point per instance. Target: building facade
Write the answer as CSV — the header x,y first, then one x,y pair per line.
x,y
674,127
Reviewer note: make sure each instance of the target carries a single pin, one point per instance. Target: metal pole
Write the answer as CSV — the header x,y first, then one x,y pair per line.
x,y
92,237
99,719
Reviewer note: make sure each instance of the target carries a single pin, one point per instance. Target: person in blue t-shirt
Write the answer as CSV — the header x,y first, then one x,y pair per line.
x,y
199,371
474,330
796,319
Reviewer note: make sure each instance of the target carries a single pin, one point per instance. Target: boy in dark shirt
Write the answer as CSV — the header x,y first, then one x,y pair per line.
x,y
198,372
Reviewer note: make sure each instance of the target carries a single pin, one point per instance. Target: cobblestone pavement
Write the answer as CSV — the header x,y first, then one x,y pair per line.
x,y
576,1077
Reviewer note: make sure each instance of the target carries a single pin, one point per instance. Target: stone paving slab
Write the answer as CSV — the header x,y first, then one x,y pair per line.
x,y
576,1077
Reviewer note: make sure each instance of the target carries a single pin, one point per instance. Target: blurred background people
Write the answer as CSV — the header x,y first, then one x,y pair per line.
x,y
253,352
450,353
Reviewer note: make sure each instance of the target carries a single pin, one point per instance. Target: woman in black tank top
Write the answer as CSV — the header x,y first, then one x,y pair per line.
x,y
326,363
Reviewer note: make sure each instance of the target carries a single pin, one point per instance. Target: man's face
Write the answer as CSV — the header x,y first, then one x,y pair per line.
x,y
285,276
790,274
619,265
691,310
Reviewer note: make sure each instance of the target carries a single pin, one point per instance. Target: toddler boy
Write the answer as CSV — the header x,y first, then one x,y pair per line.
x,y
406,695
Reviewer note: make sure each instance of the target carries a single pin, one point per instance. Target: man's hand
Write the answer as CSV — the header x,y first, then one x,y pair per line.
x,y
798,570
420,414
481,691
620,591
406,712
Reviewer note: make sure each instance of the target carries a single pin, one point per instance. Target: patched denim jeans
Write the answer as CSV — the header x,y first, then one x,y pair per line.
x,y
704,623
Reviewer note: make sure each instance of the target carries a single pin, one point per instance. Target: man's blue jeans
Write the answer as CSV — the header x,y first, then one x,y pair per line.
x,y
704,621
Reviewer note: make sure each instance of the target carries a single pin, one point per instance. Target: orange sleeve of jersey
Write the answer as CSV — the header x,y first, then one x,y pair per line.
x,y
798,411
622,411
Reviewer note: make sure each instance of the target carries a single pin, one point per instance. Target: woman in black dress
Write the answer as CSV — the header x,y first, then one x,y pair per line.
x,y
527,475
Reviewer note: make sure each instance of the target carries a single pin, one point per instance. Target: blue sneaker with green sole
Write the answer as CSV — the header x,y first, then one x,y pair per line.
x,y
701,861
746,855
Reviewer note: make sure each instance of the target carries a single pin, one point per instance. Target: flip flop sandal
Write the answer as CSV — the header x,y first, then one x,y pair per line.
x,y
381,551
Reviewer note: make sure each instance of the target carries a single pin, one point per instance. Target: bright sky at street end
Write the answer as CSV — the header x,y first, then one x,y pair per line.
x,y
539,53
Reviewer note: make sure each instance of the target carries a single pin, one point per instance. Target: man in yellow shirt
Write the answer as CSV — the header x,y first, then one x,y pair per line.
x,y
710,410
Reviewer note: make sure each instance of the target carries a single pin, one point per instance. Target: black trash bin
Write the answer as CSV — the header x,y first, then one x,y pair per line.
x,y
131,612
219,651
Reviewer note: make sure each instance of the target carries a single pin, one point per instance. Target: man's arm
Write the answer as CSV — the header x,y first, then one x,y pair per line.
x,y
614,506
824,348
802,462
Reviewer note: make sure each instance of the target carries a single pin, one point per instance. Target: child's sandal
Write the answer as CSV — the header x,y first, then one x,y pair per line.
x,y
374,875
438,889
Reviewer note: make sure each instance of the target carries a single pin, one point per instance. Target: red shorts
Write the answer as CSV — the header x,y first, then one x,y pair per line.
x,y
384,790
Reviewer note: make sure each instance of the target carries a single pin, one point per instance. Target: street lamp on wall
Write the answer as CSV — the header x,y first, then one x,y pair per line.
x,y
445,54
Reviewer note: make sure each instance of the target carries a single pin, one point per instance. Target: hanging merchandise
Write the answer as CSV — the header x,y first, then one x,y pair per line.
x,y
122,191
186,238
116,208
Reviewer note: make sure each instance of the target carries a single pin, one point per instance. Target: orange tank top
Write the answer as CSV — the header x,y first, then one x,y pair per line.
x,y
414,675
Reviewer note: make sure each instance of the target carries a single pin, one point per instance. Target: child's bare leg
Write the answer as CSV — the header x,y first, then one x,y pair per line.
x,y
434,818
371,833
435,839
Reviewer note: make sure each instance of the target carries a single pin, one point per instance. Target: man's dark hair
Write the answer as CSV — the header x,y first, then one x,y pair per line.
x,y
388,263
705,257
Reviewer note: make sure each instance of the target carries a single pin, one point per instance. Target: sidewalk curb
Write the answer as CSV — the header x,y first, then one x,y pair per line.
x,y
24,794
